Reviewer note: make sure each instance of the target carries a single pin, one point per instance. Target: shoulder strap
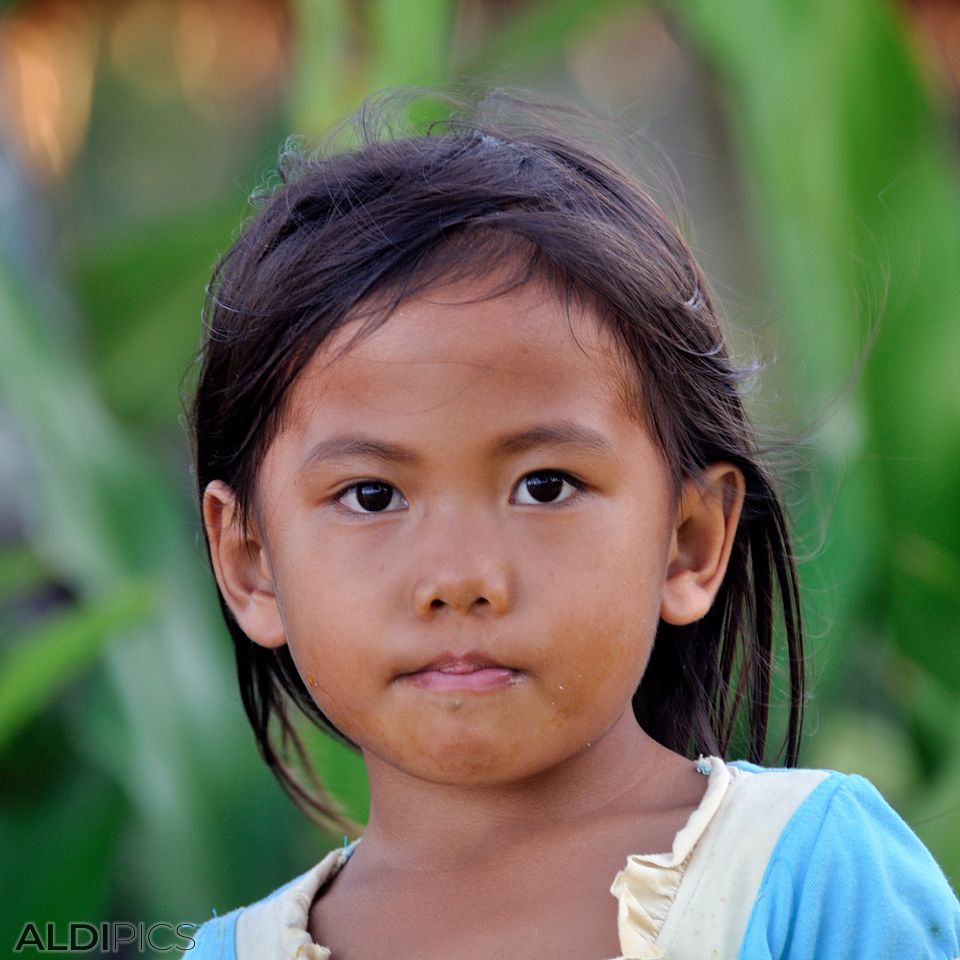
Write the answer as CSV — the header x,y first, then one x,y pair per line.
x,y
276,928
716,896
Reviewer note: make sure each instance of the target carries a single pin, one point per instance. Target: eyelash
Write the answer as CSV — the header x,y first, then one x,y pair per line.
x,y
577,485
354,488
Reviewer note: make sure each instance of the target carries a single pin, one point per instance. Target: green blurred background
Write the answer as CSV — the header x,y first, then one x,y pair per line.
x,y
817,146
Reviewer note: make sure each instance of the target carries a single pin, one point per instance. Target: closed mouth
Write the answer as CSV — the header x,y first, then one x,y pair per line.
x,y
467,671
462,663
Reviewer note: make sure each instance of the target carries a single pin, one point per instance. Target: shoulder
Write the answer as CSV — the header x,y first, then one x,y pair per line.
x,y
726,864
216,939
848,878
273,926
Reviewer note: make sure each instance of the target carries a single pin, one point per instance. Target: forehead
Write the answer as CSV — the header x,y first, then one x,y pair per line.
x,y
471,336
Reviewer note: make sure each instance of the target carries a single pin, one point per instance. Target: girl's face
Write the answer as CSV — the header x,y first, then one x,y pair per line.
x,y
464,536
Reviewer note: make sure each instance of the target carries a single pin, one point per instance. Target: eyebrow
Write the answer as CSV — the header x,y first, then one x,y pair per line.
x,y
562,433
351,445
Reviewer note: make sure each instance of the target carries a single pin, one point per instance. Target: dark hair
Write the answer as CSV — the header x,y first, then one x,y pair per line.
x,y
369,226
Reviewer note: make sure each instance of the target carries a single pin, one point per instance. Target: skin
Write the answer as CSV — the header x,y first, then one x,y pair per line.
x,y
481,799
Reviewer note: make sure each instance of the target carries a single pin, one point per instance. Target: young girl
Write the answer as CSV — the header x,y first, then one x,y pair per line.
x,y
482,499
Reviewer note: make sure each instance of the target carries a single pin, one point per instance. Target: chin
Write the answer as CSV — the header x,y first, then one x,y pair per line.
x,y
466,765
477,764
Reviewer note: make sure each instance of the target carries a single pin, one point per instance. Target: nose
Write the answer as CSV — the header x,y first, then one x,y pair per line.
x,y
483,591
464,570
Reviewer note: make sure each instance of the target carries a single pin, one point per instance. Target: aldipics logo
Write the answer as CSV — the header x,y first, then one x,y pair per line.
x,y
114,936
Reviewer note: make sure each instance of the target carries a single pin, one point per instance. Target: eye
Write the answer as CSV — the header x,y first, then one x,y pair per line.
x,y
546,486
372,496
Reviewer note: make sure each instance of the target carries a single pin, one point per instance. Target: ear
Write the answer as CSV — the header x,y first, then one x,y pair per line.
x,y
706,524
241,568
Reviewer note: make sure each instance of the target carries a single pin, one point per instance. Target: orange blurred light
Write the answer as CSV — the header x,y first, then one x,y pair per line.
x,y
223,57
229,50
47,55
936,29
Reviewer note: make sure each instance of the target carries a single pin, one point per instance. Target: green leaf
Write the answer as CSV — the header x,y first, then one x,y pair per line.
x,y
20,568
322,87
142,296
856,202
537,36
55,652
58,855
342,771
410,42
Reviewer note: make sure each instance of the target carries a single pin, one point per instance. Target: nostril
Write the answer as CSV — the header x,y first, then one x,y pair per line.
x,y
437,602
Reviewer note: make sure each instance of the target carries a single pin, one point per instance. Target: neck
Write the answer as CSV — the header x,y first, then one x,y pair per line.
x,y
418,824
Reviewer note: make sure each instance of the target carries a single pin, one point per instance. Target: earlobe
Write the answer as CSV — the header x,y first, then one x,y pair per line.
x,y
706,525
240,565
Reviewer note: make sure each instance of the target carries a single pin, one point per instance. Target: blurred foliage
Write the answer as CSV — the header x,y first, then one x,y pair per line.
x,y
855,195
130,787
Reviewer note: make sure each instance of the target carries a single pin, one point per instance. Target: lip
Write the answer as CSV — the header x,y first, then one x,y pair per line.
x,y
466,671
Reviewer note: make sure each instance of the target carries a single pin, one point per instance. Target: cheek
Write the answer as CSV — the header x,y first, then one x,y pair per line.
x,y
598,641
607,619
324,635
605,660
617,585
343,688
